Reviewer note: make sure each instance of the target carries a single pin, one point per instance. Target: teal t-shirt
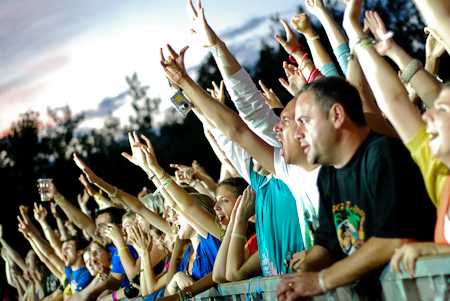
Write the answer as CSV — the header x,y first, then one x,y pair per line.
x,y
277,226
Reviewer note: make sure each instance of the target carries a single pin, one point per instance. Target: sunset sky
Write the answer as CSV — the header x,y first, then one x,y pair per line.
x,y
78,53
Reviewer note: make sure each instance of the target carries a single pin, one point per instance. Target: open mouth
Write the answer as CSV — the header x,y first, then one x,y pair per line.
x,y
222,219
433,134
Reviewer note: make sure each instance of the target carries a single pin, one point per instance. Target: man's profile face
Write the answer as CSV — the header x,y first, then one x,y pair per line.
x,y
313,130
285,128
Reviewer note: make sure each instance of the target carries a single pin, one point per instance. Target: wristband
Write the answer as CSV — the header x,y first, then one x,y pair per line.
x,y
59,200
410,70
97,196
167,182
292,51
238,235
123,248
163,175
313,38
321,282
114,296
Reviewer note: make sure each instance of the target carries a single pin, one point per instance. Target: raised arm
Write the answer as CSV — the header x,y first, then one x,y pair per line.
x,y
182,198
321,58
223,118
389,92
437,16
40,214
60,224
425,84
130,201
80,219
13,254
240,264
337,39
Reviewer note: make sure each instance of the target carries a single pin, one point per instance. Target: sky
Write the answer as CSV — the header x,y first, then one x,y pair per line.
x,y
77,52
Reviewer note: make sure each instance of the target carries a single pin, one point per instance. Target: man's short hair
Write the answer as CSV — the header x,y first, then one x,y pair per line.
x,y
331,90
80,243
115,214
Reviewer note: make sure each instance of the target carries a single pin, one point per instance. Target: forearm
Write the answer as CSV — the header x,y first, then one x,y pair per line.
x,y
318,52
375,253
426,86
436,14
317,259
227,63
73,213
220,264
332,29
174,260
128,262
208,183
236,256
14,255
52,238
62,230
372,113
47,256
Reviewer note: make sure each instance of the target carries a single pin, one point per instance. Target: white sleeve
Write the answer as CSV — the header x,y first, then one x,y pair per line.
x,y
237,155
252,106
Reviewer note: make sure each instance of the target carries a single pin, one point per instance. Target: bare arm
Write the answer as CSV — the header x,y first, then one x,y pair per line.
x,y
40,214
389,92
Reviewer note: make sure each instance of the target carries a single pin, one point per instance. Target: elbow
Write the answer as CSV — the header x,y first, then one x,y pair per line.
x,y
233,276
219,278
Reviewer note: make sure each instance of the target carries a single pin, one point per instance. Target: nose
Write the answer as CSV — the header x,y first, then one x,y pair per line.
x,y
427,116
217,206
277,127
299,133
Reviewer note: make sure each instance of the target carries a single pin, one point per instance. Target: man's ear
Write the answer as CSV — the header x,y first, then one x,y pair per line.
x,y
80,253
336,115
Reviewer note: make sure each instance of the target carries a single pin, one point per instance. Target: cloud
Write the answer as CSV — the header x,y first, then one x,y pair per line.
x,y
246,27
106,106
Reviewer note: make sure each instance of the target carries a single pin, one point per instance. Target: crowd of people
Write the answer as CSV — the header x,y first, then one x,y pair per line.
x,y
350,176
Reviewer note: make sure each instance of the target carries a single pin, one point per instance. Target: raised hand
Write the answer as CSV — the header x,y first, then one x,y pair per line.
x,y
149,152
53,210
40,213
202,32
376,25
270,97
246,207
113,232
90,190
218,93
174,65
137,157
302,25
295,79
90,175
351,22
315,7
83,199
184,174
291,39
433,47
140,239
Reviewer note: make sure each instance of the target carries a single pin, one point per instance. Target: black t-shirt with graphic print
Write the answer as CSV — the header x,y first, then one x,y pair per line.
x,y
379,193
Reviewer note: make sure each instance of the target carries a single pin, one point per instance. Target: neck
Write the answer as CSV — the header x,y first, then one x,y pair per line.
x,y
195,240
351,140
79,263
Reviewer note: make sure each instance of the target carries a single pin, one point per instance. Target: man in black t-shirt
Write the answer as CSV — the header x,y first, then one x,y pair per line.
x,y
372,196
